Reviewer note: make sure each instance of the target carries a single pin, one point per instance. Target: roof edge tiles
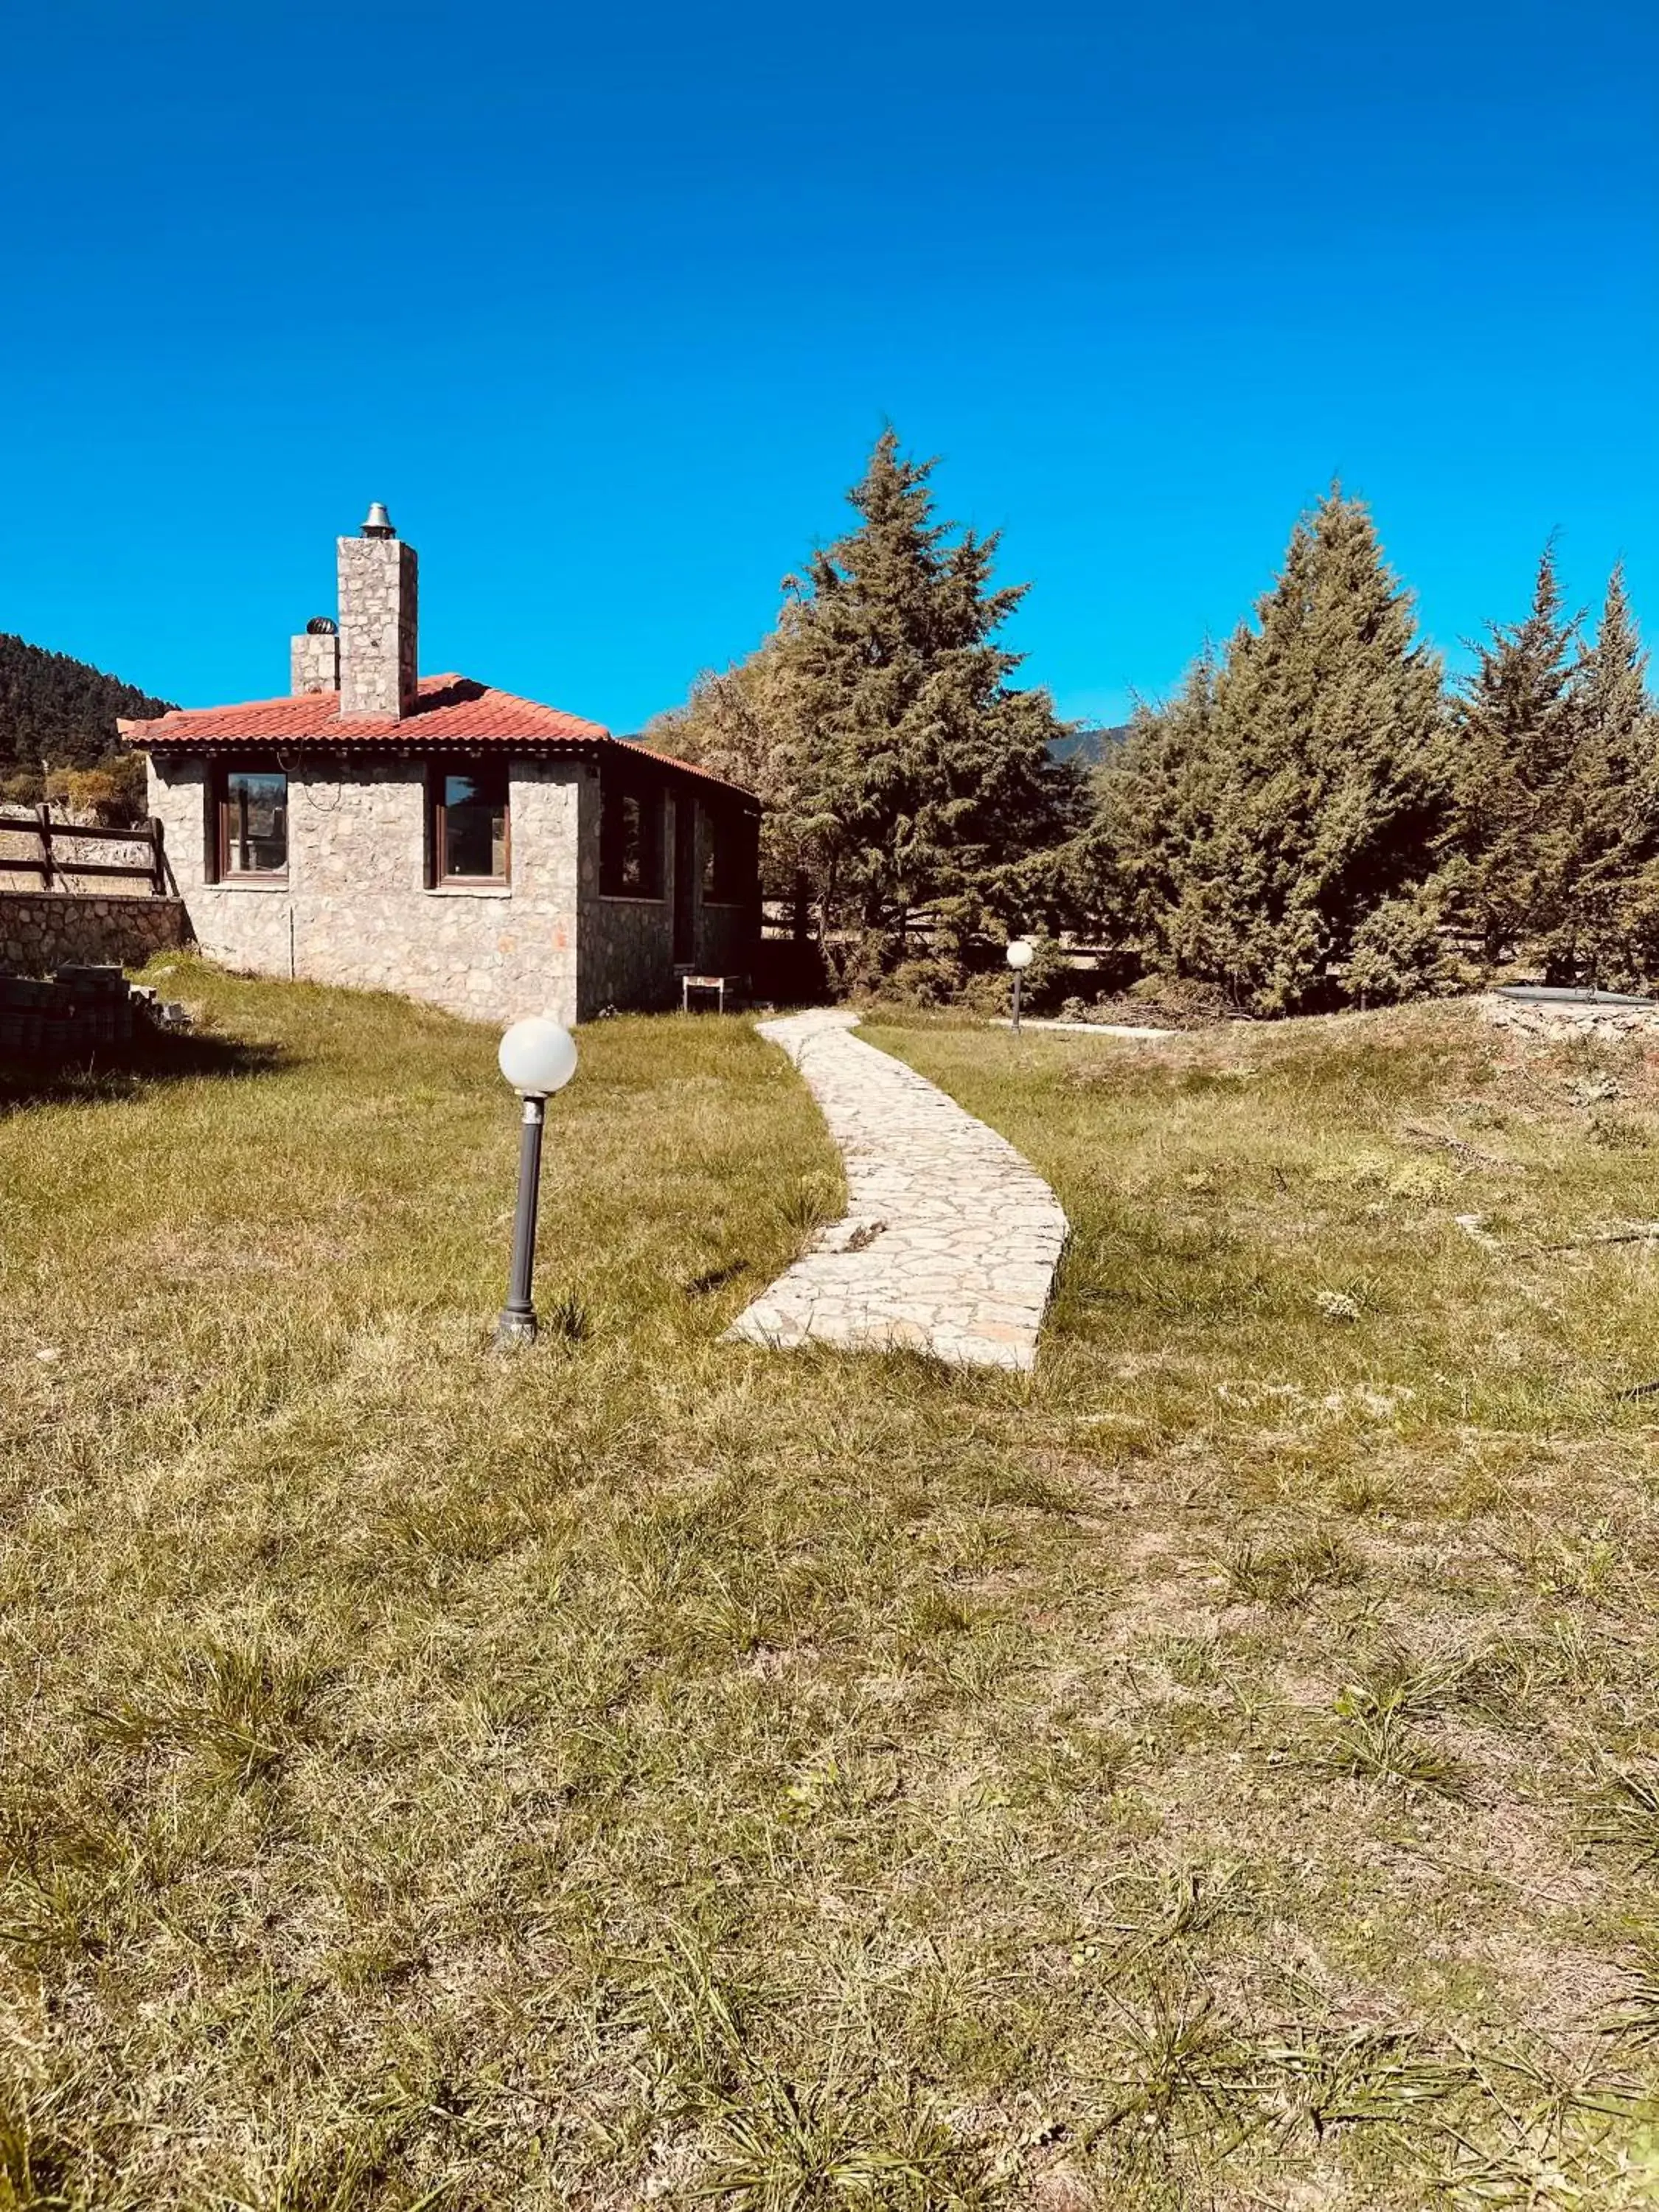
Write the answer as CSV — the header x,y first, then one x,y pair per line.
x,y
449,710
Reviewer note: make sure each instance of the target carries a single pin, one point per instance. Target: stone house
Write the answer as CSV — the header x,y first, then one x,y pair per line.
x,y
433,836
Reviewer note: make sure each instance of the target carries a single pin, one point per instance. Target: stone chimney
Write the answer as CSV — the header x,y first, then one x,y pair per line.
x,y
379,671
314,658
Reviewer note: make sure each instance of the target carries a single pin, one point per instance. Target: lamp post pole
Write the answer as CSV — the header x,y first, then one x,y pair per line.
x,y
516,1324
537,1057
1018,956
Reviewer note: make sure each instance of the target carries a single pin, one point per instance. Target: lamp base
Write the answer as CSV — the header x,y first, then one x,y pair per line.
x,y
514,1329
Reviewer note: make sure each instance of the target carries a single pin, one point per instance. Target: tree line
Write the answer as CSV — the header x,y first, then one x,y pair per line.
x,y
1315,819
57,734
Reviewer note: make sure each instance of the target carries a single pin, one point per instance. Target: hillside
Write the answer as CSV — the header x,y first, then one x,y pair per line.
x,y
59,711
1089,742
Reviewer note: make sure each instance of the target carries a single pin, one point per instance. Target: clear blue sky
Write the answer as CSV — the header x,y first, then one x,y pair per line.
x,y
608,304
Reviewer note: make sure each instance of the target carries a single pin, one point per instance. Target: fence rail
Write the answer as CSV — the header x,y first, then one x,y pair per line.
x,y
55,861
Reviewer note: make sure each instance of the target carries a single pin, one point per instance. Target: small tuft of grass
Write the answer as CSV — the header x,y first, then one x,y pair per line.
x,y
785,2146
808,1206
239,1710
567,1319
1625,1816
1288,1573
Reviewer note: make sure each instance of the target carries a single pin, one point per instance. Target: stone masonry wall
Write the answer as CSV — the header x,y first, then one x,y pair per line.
x,y
379,615
355,909
313,662
43,930
628,943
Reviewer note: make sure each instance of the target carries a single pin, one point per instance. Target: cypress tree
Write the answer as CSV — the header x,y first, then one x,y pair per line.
x,y
1515,755
1595,872
925,777
1152,800
1310,808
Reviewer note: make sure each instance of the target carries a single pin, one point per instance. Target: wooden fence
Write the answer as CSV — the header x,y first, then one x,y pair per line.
x,y
54,862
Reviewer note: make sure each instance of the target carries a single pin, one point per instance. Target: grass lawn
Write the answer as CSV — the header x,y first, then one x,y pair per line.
x,y
1220,1771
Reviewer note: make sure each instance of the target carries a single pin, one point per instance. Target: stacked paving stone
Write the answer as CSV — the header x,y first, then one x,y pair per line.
x,y
951,1239
78,1010
1605,1019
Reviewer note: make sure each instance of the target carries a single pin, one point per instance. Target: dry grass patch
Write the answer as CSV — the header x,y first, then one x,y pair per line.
x,y
1218,1771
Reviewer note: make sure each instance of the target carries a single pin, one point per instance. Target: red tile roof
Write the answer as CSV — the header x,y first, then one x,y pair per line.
x,y
450,710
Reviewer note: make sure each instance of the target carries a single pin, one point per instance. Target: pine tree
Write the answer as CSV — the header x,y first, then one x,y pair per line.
x,y
926,779
1309,788
1152,804
1597,874
55,712
1515,755
899,769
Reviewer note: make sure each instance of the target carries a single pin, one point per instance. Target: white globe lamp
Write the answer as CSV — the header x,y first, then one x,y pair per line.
x,y
538,1056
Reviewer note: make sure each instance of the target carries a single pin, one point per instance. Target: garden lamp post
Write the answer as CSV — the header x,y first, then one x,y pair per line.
x,y
537,1057
1019,959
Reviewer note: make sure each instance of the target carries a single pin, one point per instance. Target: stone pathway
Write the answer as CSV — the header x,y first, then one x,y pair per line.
x,y
950,1240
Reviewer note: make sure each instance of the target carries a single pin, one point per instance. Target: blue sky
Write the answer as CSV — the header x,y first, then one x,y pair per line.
x,y
609,304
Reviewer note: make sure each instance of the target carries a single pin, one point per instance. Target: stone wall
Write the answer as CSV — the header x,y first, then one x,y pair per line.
x,y
379,612
313,661
354,908
628,955
628,943
43,930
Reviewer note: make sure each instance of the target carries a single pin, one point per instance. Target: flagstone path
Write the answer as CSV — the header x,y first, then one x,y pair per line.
x,y
951,1239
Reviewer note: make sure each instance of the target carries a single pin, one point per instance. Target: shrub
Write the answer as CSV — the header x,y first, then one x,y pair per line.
x,y
114,792
23,789
933,980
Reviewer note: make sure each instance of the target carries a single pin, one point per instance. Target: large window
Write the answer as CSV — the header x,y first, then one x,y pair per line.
x,y
249,823
631,843
730,858
470,839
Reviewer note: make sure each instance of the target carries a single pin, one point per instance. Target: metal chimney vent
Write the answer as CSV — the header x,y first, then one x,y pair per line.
x,y
322,626
379,524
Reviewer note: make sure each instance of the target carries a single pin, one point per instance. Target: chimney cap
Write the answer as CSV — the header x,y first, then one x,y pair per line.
x,y
377,523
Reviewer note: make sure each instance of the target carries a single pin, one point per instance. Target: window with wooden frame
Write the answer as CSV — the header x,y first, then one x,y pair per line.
x,y
630,842
469,839
731,857
248,821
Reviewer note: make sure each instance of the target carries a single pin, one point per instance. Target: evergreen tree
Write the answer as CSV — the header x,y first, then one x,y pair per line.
x,y
899,769
926,779
55,712
1597,871
1152,800
1299,796
1514,758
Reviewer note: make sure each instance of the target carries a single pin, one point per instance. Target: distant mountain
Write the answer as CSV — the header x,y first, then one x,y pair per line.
x,y
60,711
1088,743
